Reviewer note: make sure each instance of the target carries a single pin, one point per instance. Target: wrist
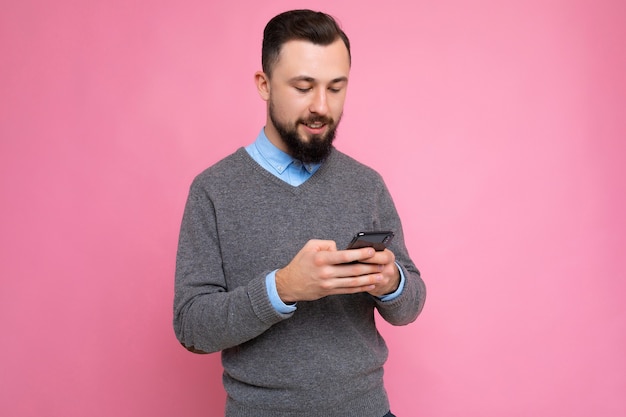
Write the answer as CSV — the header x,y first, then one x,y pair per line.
x,y
399,288
282,289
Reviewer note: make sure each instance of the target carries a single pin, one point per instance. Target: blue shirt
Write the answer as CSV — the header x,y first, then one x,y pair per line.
x,y
295,173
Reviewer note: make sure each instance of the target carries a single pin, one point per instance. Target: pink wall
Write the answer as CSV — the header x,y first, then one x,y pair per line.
x,y
499,128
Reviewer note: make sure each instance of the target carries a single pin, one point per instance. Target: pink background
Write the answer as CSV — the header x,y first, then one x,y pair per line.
x,y
499,126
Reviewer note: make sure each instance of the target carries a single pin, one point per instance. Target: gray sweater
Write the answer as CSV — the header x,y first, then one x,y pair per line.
x,y
240,223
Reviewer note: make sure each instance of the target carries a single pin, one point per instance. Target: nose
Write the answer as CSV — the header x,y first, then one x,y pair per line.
x,y
319,102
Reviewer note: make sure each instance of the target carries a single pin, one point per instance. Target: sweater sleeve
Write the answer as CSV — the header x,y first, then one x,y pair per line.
x,y
209,316
404,308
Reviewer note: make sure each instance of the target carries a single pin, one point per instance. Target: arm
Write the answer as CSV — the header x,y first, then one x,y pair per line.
x,y
208,315
404,308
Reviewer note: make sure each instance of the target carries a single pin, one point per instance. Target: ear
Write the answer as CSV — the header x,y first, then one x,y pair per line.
x,y
262,82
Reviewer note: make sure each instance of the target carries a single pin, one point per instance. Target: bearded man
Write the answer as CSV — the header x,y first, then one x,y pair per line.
x,y
262,275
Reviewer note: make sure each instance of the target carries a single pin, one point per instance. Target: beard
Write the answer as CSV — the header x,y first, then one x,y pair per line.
x,y
311,151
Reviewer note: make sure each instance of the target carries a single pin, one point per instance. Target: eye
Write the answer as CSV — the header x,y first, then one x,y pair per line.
x,y
336,87
303,89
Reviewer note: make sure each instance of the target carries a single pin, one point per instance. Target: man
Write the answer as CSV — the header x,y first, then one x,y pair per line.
x,y
262,274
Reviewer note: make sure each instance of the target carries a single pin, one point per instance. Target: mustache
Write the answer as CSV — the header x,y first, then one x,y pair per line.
x,y
317,119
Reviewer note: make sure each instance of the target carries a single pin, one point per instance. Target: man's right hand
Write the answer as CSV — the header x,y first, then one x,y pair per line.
x,y
319,270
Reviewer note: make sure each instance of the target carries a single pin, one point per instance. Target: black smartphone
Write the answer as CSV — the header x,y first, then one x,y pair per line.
x,y
376,240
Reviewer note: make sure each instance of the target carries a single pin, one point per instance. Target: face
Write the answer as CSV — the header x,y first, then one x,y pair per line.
x,y
305,96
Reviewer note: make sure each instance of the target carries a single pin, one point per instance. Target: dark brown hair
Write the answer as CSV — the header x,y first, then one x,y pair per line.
x,y
308,25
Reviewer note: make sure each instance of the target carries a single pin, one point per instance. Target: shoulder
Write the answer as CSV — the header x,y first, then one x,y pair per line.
x,y
233,172
225,165
224,170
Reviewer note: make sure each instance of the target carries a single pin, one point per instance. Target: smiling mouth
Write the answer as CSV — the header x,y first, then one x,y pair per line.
x,y
315,125
315,129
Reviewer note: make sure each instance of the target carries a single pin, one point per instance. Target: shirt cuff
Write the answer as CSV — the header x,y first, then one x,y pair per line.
x,y
272,292
397,292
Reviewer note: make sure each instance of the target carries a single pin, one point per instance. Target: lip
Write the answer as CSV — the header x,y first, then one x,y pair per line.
x,y
315,130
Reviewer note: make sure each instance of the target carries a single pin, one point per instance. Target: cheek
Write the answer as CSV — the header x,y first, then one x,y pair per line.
x,y
289,106
336,109
336,102
288,113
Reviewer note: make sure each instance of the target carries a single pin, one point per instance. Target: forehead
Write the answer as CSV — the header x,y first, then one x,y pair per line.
x,y
321,62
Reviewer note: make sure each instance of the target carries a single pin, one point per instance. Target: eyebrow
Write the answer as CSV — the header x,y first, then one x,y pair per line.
x,y
313,80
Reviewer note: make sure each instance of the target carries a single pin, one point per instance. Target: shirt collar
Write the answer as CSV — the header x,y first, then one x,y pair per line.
x,y
276,158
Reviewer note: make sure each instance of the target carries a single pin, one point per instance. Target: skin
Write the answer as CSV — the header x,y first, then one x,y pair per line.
x,y
307,89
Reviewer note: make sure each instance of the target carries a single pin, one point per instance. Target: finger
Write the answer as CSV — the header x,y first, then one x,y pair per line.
x,y
350,255
381,257
356,283
322,245
357,269
354,290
